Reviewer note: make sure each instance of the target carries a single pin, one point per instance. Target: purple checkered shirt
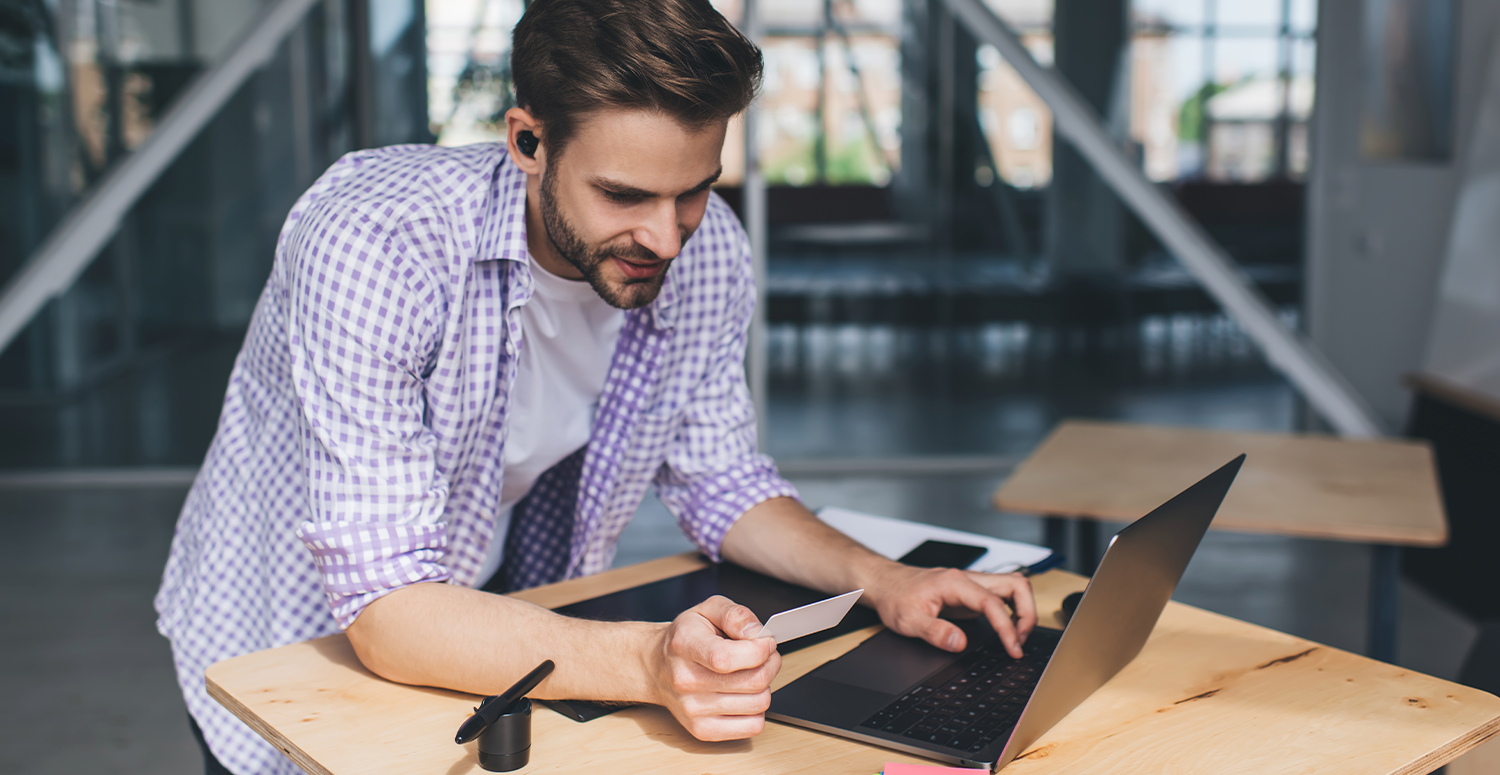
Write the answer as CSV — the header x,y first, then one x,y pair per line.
x,y
360,445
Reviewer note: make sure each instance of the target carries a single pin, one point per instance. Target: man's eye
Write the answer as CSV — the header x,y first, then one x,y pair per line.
x,y
615,196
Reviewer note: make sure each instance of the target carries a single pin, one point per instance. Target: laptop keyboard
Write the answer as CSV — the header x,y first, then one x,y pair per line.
x,y
973,701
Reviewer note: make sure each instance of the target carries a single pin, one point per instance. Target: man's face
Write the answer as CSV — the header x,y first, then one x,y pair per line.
x,y
628,191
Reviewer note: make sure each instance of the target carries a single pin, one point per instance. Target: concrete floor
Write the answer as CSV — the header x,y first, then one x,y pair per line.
x,y
88,682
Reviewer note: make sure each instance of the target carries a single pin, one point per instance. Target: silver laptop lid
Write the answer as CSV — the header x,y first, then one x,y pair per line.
x,y
1121,605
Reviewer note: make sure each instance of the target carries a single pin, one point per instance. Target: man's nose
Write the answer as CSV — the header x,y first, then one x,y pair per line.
x,y
659,232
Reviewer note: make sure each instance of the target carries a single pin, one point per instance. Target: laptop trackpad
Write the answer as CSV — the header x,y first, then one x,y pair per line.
x,y
886,662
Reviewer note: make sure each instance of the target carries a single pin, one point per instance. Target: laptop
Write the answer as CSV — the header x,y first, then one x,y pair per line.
x,y
982,708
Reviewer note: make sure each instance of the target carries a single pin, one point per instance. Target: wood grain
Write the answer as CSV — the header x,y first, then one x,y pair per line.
x,y
1207,695
1382,491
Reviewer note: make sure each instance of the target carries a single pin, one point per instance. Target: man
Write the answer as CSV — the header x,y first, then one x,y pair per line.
x,y
465,369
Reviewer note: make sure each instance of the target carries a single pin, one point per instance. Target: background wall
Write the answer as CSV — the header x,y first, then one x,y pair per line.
x,y
1378,230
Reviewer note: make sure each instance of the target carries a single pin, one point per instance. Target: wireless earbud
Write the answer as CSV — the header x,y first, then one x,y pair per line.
x,y
527,142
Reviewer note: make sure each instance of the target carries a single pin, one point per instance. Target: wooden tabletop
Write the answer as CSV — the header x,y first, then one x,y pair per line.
x,y
1383,491
1207,694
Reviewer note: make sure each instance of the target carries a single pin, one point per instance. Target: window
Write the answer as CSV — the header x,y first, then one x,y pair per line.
x,y
1222,90
832,97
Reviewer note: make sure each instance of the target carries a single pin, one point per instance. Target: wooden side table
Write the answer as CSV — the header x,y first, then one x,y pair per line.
x,y
1384,492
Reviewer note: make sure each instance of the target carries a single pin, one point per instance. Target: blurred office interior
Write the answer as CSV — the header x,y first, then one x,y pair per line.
x,y
945,276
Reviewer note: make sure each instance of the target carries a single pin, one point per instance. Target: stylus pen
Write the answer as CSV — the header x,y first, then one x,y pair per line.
x,y
491,708
1047,563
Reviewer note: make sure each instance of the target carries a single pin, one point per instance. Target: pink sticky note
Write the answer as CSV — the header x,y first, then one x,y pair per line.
x,y
893,768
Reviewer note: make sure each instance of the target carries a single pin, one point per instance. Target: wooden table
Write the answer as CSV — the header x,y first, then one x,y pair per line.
x,y
1207,694
1380,492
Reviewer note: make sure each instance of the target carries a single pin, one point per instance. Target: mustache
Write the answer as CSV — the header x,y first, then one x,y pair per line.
x,y
632,250
636,252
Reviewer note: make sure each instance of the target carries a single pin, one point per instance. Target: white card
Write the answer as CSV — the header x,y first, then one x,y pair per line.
x,y
811,618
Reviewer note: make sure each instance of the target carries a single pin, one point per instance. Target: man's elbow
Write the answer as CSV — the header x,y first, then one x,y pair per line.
x,y
372,643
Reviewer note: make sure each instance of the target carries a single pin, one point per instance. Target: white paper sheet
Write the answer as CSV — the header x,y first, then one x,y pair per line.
x,y
895,537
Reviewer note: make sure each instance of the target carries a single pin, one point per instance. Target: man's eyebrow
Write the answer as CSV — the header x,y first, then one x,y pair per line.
x,y
708,181
625,190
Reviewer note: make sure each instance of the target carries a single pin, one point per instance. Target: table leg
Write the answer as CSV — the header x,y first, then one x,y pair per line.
x,y
1055,533
1385,590
1077,538
1088,545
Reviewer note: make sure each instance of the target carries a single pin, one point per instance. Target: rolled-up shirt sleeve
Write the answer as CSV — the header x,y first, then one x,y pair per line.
x,y
713,473
362,321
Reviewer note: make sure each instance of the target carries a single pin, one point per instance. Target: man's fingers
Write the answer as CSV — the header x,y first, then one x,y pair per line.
x,y
705,647
718,672
1016,590
999,619
697,637
705,705
1023,602
977,598
964,591
944,634
731,618
751,681
711,728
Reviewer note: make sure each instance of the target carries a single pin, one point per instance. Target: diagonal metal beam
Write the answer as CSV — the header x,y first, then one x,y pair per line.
x,y
1287,350
84,231
753,203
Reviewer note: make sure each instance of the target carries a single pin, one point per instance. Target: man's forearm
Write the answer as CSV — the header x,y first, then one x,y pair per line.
x,y
453,637
781,538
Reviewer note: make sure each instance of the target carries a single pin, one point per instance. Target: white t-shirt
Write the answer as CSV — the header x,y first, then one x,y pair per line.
x,y
568,338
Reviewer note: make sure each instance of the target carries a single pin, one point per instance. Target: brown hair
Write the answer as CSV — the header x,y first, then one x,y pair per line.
x,y
680,57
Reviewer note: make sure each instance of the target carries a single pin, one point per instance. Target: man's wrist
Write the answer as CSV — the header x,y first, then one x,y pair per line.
x,y
880,578
604,662
651,660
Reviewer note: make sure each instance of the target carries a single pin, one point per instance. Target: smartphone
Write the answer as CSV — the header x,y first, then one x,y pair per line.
x,y
942,554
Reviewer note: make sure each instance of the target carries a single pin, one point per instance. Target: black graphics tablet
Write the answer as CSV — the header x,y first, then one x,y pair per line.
x,y
662,601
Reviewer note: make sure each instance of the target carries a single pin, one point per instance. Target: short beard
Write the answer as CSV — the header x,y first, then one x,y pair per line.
x,y
631,294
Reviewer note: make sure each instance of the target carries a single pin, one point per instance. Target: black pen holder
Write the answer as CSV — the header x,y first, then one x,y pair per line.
x,y
506,744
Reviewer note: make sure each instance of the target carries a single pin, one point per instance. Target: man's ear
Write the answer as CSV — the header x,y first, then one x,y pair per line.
x,y
523,137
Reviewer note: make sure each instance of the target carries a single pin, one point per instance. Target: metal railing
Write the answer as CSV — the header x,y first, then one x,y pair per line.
x,y
753,194
1286,349
76,241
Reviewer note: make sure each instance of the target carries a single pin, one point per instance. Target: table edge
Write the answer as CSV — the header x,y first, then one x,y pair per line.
x,y
1429,535
1409,538
1453,750
266,732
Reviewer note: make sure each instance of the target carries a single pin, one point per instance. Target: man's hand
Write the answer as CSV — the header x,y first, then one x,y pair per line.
x,y
912,600
713,674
